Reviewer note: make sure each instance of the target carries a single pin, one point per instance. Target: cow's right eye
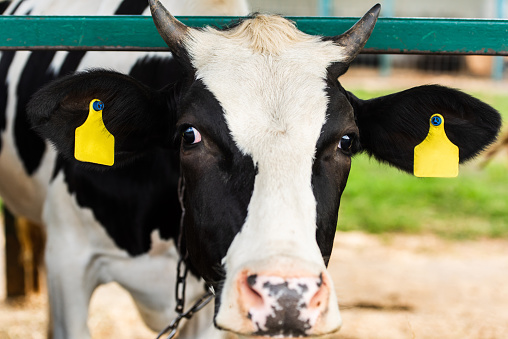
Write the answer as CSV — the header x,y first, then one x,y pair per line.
x,y
191,136
346,142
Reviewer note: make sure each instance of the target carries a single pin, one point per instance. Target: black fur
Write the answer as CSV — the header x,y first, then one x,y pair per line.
x,y
157,72
3,6
36,73
5,63
331,166
391,126
137,116
131,7
131,201
219,183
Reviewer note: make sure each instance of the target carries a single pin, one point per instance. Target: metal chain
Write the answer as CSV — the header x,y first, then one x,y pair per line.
x,y
180,285
181,278
172,328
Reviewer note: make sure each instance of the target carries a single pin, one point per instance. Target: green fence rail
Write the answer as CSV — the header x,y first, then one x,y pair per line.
x,y
391,35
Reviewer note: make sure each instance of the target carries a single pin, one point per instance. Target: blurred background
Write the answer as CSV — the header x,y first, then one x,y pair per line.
x,y
414,257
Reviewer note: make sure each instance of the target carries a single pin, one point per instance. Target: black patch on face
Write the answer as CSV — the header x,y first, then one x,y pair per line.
x,y
331,167
337,69
219,184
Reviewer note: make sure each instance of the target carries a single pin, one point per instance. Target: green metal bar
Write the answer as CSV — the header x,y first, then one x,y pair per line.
x,y
391,35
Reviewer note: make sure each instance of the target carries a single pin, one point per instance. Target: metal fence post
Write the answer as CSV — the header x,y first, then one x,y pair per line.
x,y
385,59
498,64
325,8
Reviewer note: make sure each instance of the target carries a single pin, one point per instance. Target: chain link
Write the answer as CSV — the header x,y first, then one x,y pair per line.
x,y
181,277
172,328
180,285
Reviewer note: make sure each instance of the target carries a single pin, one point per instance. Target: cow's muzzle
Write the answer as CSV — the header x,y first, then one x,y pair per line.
x,y
283,307
271,305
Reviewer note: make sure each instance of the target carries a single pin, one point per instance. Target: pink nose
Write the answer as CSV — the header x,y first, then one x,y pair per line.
x,y
279,306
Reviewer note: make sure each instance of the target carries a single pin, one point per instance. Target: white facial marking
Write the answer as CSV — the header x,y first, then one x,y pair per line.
x,y
270,80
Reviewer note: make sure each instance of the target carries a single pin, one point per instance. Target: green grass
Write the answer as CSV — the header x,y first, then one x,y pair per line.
x,y
380,199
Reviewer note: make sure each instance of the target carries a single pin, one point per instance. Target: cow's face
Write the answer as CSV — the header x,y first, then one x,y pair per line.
x,y
266,126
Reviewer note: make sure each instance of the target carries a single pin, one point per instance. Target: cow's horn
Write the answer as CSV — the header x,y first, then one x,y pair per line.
x,y
171,30
356,37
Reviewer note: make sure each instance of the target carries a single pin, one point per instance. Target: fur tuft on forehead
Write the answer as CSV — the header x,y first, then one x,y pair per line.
x,y
266,34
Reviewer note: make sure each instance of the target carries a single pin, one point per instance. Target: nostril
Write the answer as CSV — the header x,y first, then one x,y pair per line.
x,y
249,295
320,282
251,279
321,295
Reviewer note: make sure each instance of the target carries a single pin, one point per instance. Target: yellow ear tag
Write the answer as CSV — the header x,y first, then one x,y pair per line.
x,y
436,156
93,142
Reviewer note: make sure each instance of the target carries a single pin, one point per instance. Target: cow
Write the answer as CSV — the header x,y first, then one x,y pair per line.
x,y
253,135
28,164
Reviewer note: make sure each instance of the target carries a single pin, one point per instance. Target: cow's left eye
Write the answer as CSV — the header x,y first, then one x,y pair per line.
x,y
191,136
346,142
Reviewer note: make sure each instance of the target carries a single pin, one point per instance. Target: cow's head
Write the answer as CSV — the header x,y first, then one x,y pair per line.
x,y
265,134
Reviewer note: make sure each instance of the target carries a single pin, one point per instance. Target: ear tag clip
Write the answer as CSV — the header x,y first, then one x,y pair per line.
x,y
436,156
93,142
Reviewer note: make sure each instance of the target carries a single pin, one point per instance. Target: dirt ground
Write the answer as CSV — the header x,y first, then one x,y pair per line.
x,y
395,286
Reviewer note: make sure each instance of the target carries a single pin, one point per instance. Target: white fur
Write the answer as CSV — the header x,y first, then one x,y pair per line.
x,y
275,104
80,256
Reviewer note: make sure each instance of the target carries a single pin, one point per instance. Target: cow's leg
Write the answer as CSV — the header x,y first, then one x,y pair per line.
x,y
15,271
72,262
70,289
150,279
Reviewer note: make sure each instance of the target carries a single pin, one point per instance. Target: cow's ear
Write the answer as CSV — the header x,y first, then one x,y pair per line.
x,y
139,118
391,126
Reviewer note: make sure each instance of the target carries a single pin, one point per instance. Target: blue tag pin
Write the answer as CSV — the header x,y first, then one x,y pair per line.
x,y
98,106
436,120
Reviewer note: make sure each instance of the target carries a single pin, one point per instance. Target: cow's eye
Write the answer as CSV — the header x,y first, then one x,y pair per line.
x,y
191,136
346,142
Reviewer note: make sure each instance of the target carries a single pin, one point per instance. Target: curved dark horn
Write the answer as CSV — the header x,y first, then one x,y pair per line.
x,y
356,37
171,30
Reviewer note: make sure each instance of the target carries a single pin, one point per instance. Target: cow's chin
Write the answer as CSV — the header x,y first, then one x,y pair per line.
x,y
233,335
